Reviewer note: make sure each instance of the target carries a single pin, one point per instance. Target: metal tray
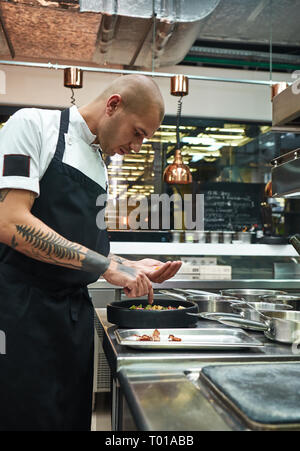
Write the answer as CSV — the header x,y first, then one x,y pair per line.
x,y
191,339
258,393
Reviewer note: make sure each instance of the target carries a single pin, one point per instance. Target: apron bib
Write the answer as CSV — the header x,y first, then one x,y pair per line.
x,y
46,313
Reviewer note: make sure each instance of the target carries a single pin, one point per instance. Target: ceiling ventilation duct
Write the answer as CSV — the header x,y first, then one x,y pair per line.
x,y
144,33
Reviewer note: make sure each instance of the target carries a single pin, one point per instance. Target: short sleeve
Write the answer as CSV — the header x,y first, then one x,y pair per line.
x,y
20,148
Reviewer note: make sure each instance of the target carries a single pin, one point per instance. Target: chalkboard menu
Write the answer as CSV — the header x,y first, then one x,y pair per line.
x,y
231,206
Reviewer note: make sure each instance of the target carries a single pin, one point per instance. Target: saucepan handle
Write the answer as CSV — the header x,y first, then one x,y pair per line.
x,y
244,323
214,315
217,315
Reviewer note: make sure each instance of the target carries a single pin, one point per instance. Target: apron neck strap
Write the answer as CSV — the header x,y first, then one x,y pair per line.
x,y
63,128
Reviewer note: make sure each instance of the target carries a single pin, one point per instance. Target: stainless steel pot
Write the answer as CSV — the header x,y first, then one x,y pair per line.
x,y
290,299
195,292
201,295
282,326
206,304
250,295
252,310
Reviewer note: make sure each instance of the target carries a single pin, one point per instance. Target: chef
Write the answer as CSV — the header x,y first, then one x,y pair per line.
x,y
52,173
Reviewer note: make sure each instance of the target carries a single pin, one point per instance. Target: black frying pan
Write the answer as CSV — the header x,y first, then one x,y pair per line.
x,y
119,313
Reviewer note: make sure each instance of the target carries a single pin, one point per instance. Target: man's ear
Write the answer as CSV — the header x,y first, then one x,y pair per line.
x,y
113,103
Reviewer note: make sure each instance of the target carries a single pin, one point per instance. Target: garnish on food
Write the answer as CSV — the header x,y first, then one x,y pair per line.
x,y
154,307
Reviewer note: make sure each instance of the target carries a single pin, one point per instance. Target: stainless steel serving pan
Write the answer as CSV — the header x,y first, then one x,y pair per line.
x,y
250,295
232,339
282,326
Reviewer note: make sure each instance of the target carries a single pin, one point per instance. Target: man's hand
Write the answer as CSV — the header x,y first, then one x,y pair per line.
x,y
156,270
134,281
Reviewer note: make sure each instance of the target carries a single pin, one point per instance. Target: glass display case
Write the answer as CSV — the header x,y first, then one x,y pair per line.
x,y
230,161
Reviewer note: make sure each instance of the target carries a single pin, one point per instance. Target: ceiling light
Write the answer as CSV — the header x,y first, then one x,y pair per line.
x,y
232,130
198,140
73,79
178,172
197,157
228,137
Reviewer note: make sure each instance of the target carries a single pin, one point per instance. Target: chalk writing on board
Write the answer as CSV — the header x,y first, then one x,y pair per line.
x,y
231,206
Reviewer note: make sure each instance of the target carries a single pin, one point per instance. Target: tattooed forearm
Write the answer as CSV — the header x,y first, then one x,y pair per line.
x,y
3,194
122,261
14,243
117,258
50,243
49,259
93,260
127,269
48,246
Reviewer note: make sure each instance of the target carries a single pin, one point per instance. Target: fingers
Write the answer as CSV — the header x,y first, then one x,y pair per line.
x,y
141,286
147,288
150,296
134,282
165,272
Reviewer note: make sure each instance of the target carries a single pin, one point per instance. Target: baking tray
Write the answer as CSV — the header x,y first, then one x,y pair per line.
x,y
190,339
264,396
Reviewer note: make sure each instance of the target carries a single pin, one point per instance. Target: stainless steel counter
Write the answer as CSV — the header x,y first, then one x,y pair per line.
x,y
162,390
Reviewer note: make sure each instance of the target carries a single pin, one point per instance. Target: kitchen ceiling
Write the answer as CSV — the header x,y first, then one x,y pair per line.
x,y
249,21
56,31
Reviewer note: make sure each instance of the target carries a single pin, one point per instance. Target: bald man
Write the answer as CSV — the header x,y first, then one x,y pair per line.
x,y
52,173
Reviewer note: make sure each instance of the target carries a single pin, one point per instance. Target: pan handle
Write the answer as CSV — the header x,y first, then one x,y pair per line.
x,y
213,315
244,323
181,297
217,315
198,292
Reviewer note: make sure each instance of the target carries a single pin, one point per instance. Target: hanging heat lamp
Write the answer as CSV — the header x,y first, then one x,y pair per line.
x,y
178,172
73,79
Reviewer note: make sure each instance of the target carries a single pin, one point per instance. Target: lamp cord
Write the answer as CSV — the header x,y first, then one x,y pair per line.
x,y
179,108
72,97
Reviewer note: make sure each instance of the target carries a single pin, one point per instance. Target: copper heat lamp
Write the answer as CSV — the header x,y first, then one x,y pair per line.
x,y
178,172
73,78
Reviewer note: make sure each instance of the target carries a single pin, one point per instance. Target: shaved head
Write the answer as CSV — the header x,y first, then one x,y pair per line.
x,y
138,93
128,111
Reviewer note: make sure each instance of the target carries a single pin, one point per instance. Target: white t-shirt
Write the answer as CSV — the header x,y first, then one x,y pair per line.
x,y
28,143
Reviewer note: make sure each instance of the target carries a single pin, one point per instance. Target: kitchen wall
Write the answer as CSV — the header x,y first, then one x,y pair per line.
x,y
44,87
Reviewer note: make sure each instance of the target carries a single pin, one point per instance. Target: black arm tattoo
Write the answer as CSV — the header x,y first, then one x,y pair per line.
x,y
14,243
50,243
3,194
52,248
127,269
95,262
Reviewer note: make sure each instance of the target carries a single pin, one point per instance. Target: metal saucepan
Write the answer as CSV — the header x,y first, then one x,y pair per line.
x,y
252,310
290,299
119,313
245,310
205,294
250,295
206,304
282,326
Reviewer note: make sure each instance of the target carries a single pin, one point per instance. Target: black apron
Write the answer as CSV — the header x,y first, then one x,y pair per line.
x,y
46,374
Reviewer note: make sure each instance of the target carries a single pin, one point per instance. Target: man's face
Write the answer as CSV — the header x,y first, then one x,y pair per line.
x,y
124,131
